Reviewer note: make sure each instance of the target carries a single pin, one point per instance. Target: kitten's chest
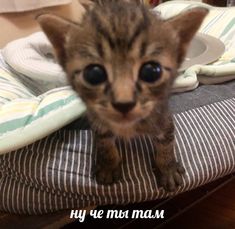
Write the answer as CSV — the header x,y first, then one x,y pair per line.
x,y
124,131
135,130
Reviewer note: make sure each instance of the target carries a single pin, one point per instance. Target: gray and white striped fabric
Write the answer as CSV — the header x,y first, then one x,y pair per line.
x,y
56,172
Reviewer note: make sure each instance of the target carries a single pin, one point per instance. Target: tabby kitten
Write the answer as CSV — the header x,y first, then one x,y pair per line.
x,y
122,59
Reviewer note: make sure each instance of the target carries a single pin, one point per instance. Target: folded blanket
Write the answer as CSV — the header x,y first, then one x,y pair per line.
x,y
27,117
33,58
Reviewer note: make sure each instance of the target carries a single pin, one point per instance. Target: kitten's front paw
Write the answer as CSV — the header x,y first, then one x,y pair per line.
x,y
108,166
107,175
170,178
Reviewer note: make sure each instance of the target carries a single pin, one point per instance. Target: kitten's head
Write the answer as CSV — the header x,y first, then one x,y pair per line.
x,y
121,58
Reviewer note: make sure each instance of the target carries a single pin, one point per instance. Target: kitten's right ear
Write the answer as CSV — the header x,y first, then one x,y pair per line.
x,y
56,29
186,25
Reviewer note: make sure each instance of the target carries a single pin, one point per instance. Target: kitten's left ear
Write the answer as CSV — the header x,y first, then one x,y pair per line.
x,y
186,25
56,28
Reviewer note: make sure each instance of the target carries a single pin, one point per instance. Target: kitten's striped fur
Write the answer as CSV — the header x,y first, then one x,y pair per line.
x,y
122,36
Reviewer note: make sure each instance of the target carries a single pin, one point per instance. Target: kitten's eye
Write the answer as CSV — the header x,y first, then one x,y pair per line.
x,y
95,74
150,72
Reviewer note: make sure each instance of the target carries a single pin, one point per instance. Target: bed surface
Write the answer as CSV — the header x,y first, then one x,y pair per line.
x,y
204,95
56,173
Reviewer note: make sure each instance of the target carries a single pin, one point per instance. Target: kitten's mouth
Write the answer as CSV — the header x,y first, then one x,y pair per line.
x,y
123,124
125,119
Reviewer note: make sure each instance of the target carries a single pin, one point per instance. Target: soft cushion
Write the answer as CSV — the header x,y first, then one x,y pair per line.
x,y
25,117
33,57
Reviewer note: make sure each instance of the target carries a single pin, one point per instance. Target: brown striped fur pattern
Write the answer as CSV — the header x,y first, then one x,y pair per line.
x,y
122,36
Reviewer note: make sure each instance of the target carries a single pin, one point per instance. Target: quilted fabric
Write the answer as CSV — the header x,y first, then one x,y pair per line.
x,y
26,117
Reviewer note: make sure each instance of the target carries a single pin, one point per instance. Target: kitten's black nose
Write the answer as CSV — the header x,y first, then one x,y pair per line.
x,y
124,107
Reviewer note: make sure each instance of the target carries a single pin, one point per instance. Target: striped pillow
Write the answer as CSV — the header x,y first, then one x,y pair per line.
x,y
25,118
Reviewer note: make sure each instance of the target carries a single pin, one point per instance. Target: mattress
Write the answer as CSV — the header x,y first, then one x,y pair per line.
x,y
56,172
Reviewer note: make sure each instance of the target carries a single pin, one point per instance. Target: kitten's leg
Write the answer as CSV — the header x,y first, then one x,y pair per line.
x,y
169,171
108,160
